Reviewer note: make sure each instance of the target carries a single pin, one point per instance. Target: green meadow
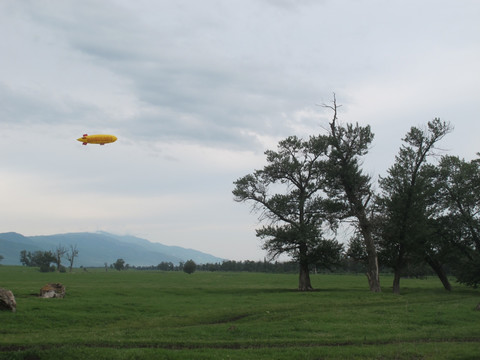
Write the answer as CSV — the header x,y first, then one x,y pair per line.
x,y
220,315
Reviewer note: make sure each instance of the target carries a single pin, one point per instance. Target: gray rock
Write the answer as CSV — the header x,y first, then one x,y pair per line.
x,y
7,300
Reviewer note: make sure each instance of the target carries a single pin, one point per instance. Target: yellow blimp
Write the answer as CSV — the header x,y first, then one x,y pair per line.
x,y
100,139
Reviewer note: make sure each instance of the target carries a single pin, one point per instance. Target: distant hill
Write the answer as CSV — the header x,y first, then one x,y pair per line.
x,y
96,249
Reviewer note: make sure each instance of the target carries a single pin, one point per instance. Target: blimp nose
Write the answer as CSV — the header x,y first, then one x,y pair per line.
x,y
114,138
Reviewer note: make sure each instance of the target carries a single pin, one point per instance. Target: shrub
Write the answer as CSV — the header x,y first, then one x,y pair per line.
x,y
189,267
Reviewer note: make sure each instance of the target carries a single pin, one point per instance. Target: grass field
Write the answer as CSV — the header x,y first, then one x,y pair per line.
x,y
172,315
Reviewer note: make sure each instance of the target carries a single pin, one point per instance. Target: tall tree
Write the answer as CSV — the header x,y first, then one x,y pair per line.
x,y
459,216
25,257
59,252
404,199
288,193
348,184
71,255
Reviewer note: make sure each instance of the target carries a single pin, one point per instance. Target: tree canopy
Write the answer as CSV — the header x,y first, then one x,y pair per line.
x,y
425,214
457,217
288,193
405,201
348,185
189,267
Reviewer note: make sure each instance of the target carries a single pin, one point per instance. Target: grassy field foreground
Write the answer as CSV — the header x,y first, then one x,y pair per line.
x,y
172,315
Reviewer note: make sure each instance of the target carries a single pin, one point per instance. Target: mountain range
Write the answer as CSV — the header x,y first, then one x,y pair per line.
x,y
96,249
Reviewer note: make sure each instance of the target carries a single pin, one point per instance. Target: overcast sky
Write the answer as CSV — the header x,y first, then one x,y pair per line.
x,y
197,90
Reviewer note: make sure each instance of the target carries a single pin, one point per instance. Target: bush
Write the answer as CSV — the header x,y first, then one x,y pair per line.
x,y
119,264
47,268
189,267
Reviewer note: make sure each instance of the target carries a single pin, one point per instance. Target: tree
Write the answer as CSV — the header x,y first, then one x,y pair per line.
x,y
356,258
288,193
404,201
41,259
59,252
328,254
189,267
458,220
348,184
71,255
25,258
44,259
1,257
119,264
356,249
166,266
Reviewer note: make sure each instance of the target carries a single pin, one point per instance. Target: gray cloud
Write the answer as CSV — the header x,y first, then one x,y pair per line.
x,y
197,90
204,81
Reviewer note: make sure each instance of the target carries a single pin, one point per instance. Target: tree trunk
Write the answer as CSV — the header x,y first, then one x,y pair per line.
x,y
373,275
304,278
372,271
438,268
396,282
397,268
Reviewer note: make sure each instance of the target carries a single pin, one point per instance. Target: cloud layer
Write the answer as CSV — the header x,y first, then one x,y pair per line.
x,y
196,91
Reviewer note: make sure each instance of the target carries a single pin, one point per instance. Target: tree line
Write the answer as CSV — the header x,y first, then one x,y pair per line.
x,y
44,259
346,265
424,213
188,266
227,265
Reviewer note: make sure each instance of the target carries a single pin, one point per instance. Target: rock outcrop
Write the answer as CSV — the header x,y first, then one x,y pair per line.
x,y
53,290
7,300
